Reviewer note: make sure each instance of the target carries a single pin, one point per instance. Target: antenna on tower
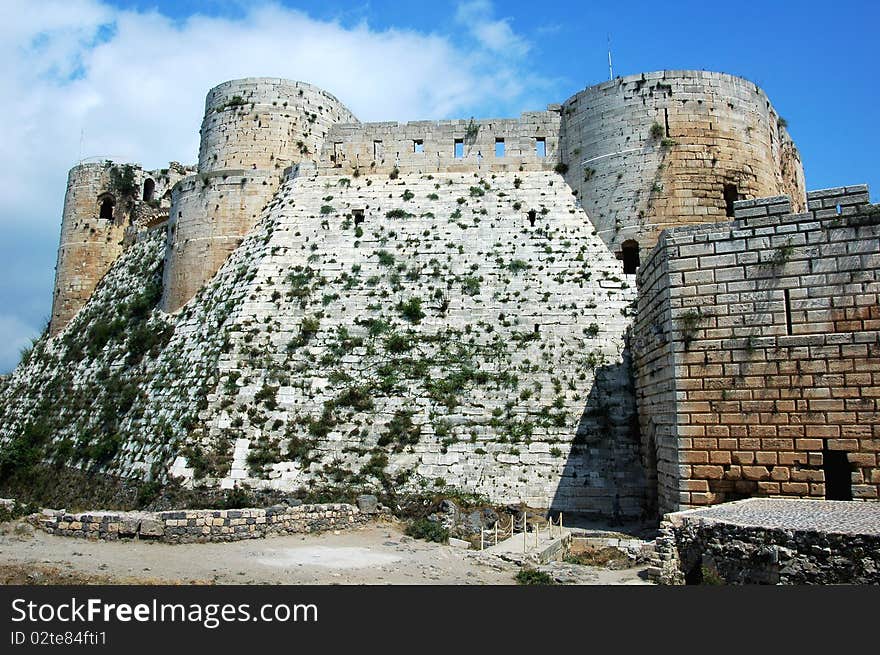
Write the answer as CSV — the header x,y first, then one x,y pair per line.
x,y
82,136
610,66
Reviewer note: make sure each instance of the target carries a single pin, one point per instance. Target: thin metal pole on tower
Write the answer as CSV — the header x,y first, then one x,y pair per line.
x,y
610,66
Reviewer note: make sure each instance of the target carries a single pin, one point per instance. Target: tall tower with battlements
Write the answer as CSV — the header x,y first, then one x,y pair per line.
x,y
253,130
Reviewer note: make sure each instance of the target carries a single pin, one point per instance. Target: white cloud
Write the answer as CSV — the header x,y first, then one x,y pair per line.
x,y
133,85
494,34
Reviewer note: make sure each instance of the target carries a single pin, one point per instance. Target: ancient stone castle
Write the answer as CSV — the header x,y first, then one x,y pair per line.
x,y
624,304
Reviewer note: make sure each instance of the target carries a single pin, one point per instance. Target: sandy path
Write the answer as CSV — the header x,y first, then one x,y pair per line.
x,y
374,554
378,553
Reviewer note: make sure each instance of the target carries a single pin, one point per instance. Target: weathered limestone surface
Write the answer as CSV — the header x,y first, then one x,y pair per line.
x,y
266,123
306,360
439,304
493,389
757,352
211,214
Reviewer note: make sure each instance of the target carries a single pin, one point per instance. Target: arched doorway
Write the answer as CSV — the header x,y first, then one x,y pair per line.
x,y
149,189
629,253
106,204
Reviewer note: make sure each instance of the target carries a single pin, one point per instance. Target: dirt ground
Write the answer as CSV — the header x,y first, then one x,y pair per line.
x,y
378,553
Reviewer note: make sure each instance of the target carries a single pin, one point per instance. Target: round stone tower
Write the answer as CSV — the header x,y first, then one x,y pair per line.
x,y
669,148
105,208
93,225
253,130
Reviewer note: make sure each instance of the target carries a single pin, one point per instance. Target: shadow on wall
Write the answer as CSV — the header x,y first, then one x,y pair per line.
x,y
603,476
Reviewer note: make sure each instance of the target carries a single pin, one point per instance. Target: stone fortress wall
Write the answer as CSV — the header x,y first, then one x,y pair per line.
x,y
254,129
724,310
719,135
454,146
757,347
97,222
656,150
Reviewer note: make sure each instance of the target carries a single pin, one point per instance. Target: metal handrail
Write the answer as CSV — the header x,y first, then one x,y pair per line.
x,y
510,530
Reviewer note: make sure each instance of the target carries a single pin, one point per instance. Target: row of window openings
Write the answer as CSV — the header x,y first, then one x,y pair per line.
x,y
458,148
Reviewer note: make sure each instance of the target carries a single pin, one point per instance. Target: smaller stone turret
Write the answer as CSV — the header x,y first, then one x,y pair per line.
x,y
105,206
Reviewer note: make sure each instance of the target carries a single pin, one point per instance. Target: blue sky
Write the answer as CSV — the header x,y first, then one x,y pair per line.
x,y
127,79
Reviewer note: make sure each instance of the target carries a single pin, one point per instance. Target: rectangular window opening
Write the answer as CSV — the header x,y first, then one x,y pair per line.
x,y
458,149
378,150
541,147
499,147
418,145
787,312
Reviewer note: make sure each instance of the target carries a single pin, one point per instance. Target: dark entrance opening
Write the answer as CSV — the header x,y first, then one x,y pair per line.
x,y
731,195
694,574
838,478
107,204
358,215
533,216
630,256
149,188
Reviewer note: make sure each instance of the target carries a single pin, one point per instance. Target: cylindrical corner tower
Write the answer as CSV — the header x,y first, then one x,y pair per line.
x,y
252,131
669,148
96,213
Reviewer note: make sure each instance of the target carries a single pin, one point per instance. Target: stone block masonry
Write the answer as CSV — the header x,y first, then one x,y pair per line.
x,y
233,199
488,145
506,379
651,151
441,304
200,525
253,130
266,123
772,541
757,346
98,222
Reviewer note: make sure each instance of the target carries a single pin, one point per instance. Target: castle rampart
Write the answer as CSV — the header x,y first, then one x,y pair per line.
x,y
757,353
528,143
231,200
755,342
656,150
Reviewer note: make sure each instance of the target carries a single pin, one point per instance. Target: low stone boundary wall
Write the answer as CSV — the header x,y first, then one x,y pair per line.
x,y
771,541
200,525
